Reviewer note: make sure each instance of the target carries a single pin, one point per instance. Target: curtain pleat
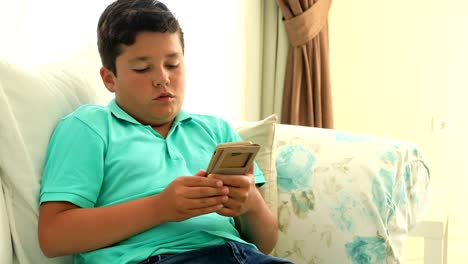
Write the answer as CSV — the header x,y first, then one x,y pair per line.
x,y
307,90
275,47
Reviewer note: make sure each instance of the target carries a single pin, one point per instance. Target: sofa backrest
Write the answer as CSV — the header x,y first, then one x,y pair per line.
x,y
32,100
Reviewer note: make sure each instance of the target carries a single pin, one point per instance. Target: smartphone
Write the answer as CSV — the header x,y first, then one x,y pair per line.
x,y
233,158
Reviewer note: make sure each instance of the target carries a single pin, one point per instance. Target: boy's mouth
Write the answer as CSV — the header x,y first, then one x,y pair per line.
x,y
164,97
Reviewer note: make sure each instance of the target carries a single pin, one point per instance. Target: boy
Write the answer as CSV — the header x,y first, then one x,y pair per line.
x,y
124,183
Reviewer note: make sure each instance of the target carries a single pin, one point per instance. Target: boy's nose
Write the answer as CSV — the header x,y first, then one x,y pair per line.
x,y
161,78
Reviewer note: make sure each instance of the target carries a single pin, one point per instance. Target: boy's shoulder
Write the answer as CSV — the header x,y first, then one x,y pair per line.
x,y
94,116
91,112
210,120
216,126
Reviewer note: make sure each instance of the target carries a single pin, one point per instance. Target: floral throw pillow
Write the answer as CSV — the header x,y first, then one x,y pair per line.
x,y
346,198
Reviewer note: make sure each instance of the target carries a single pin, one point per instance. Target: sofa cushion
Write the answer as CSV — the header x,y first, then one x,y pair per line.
x,y
32,100
346,198
263,132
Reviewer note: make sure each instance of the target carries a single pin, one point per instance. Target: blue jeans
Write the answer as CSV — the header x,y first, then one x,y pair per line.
x,y
229,253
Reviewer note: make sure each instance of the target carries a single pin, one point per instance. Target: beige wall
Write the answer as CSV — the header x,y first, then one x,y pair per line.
x,y
397,64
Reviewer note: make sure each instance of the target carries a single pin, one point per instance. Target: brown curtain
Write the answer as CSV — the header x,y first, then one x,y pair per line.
x,y
307,91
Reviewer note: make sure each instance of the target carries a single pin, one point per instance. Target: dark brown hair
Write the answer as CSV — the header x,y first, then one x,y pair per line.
x,y
122,20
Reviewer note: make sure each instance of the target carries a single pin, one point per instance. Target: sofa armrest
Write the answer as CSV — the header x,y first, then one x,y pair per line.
x,y
344,197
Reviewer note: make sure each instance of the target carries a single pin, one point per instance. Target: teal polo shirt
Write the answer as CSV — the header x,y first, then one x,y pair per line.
x,y
100,156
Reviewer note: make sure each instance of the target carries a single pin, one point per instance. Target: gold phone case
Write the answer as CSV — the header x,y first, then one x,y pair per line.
x,y
233,158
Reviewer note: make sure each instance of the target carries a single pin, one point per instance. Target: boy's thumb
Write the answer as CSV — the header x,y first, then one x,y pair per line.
x,y
201,173
251,169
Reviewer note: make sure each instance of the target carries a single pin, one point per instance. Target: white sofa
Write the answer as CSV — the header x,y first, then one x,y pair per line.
x,y
340,197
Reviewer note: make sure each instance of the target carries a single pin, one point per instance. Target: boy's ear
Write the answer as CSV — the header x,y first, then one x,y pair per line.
x,y
108,78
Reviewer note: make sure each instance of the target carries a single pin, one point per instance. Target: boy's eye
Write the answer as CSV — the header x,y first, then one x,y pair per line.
x,y
141,70
172,66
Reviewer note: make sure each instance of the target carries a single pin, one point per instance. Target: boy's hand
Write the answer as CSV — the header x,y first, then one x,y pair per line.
x,y
242,189
190,196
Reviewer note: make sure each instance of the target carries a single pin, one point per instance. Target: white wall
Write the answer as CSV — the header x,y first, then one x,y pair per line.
x,y
43,31
397,64
214,55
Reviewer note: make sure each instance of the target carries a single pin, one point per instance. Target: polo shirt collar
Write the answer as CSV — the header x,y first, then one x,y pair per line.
x,y
182,116
121,114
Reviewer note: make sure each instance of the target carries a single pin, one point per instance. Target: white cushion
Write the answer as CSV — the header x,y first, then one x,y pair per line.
x,y
6,251
32,100
263,132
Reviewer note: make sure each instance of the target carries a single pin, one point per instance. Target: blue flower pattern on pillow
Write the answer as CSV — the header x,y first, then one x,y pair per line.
x,y
381,193
341,213
303,202
383,185
367,250
294,166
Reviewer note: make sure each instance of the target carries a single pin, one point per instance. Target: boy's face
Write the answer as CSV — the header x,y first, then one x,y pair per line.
x,y
150,81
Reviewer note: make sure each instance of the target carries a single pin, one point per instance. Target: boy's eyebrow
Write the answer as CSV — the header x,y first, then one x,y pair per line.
x,y
140,59
148,58
173,55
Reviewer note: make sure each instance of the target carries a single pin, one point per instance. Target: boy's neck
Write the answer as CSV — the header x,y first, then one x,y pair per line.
x,y
163,129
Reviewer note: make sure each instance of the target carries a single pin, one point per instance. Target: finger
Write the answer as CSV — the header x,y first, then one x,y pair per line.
x,y
191,181
200,192
226,211
238,181
250,170
195,204
233,204
205,210
238,194
200,173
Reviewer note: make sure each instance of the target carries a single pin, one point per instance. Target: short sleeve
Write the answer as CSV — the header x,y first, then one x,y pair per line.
x,y
74,165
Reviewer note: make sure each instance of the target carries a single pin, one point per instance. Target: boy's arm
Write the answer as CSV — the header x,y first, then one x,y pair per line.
x,y
254,219
258,225
66,229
